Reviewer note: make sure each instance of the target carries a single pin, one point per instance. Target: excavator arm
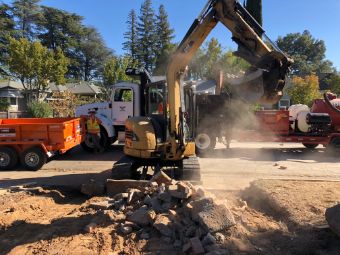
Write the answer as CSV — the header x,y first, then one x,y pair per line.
x,y
263,82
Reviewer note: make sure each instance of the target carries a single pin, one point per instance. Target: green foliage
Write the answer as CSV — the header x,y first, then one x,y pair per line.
x,y
131,36
34,65
94,54
211,59
114,70
39,109
7,29
4,104
308,53
254,7
147,36
304,89
334,83
27,13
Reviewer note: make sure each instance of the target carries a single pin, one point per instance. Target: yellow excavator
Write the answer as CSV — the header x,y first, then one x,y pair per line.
x,y
164,140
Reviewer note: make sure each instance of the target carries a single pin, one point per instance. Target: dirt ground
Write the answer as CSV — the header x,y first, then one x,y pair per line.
x,y
273,217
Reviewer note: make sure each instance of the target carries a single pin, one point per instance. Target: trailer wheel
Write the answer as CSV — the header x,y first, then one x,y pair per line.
x,y
204,143
8,158
334,146
33,158
310,145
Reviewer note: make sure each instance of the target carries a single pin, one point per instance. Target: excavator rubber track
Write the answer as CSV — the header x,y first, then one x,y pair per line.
x,y
130,168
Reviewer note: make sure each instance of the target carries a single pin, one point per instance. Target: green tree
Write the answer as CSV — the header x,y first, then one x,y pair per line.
x,y
304,89
147,36
131,36
65,30
254,7
27,14
7,29
212,56
94,54
334,83
308,53
114,70
164,47
35,66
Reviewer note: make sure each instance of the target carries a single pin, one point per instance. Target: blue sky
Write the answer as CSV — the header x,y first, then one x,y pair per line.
x,y
322,18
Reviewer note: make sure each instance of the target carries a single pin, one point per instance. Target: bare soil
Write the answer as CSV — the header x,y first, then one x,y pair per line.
x,y
273,217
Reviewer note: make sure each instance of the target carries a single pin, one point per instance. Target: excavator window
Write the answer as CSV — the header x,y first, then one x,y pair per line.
x,y
156,99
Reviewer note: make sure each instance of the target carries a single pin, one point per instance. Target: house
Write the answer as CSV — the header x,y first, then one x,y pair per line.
x,y
84,89
12,92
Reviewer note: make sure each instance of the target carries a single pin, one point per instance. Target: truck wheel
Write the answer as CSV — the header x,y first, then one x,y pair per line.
x,y
204,143
310,145
334,146
8,158
33,158
88,145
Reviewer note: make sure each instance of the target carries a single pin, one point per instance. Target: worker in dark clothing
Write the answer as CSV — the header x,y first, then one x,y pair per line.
x,y
93,131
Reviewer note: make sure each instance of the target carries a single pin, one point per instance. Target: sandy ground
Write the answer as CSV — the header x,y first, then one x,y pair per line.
x,y
272,216
282,214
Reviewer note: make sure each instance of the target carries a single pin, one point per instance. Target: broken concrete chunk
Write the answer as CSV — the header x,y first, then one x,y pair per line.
x,y
215,218
198,206
92,188
180,191
186,247
333,218
147,200
142,216
196,246
190,232
121,196
164,196
218,252
161,177
125,229
211,216
115,187
102,205
208,239
156,205
163,225
220,238
133,195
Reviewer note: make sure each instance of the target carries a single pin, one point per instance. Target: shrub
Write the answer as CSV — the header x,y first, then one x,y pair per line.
x,y
39,109
4,105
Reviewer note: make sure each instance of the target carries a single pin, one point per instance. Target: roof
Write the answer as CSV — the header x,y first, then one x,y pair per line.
x,y
11,84
83,88
52,87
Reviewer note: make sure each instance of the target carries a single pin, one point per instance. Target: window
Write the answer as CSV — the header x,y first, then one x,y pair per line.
x,y
13,101
156,99
123,95
284,103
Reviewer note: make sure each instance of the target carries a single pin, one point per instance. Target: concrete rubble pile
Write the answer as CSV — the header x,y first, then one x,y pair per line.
x,y
183,215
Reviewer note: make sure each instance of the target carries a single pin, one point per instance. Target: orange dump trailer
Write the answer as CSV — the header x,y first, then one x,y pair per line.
x,y
33,141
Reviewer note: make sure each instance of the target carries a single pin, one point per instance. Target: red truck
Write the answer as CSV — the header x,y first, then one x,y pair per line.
x,y
318,125
33,141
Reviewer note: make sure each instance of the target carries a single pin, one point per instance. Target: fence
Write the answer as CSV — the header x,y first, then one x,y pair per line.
x,y
13,115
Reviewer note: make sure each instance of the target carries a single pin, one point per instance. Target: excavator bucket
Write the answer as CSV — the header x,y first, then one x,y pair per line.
x,y
265,81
